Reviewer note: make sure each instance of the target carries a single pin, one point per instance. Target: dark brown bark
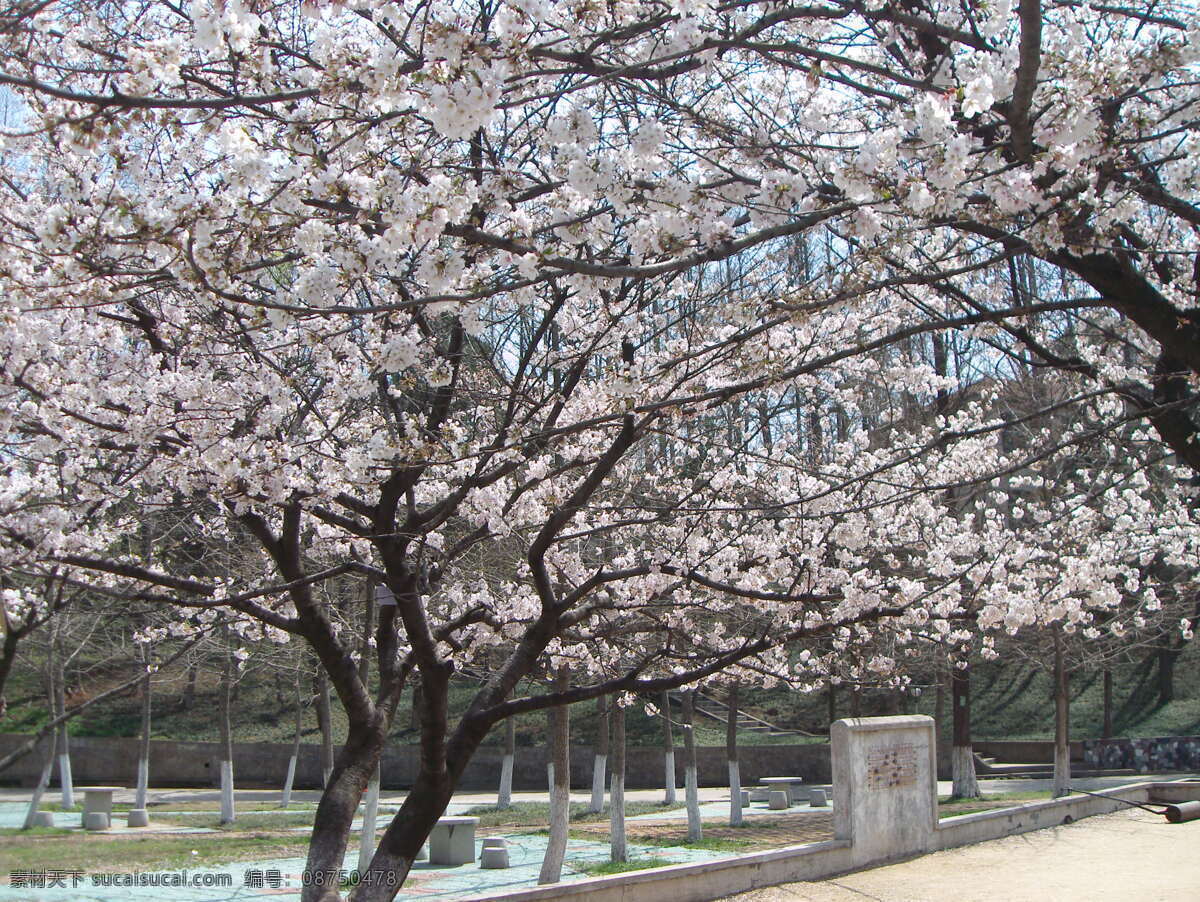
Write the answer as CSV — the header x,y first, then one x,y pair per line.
x,y
325,724
731,743
1106,730
960,702
1166,675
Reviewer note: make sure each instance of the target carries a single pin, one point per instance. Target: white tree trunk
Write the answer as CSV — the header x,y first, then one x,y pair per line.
x,y
64,737
290,780
962,770
1062,723
599,778
143,769
285,798
735,794
65,779
366,842
619,848
962,757
690,777
600,760
504,798
669,779
559,774
731,754
143,783
43,781
228,815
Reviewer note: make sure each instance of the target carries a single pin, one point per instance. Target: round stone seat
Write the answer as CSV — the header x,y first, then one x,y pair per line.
x,y
494,858
43,819
138,817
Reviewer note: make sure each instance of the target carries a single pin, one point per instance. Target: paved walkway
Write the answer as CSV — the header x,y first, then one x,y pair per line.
x,y
1128,856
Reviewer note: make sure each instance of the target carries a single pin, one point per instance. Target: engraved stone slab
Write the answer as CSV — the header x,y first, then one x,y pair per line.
x,y
891,766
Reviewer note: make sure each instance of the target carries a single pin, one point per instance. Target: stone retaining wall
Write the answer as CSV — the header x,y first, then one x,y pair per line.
x,y
103,760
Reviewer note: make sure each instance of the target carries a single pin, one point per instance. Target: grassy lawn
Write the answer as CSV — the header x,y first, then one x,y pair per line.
x,y
708,844
76,851
202,806
604,868
199,806
245,821
948,807
537,814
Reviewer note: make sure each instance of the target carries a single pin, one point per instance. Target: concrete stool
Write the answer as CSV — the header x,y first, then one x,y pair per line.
x,y
95,820
138,817
778,799
816,799
745,798
43,819
494,857
493,842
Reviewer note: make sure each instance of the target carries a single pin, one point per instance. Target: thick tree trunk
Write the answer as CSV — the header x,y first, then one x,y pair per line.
x,y
1106,730
731,753
690,776
560,785
618,847
668,751
1062,724
228,815
504,797
353,769
325,723
600,760
143,770
1166,675
289,781
962,758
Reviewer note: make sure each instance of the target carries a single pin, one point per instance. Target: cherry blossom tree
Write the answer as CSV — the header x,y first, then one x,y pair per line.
x,y
598,295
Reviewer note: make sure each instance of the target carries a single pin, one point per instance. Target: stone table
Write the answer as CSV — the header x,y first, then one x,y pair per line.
x,y
790,784
97,800
452,841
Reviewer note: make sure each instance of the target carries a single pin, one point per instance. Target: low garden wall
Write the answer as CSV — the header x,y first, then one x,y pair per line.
x,y
885,774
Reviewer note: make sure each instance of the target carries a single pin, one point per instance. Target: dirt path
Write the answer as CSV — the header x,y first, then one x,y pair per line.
x,y
1129,856
759,834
